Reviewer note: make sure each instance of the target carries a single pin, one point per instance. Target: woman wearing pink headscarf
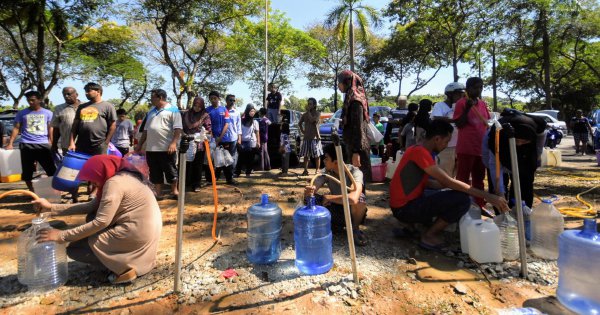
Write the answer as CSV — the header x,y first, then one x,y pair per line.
x,y
355,120
123,223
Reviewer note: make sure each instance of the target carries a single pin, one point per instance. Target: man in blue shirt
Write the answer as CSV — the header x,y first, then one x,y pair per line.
x,y
36,137
220,122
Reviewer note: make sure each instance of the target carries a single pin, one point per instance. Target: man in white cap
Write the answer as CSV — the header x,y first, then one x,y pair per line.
x,y
446,159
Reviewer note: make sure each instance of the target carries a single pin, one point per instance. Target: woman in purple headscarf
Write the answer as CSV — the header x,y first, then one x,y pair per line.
x,y
355,120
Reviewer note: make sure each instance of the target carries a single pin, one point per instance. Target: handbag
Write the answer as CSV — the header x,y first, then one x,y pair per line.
x,y
373,134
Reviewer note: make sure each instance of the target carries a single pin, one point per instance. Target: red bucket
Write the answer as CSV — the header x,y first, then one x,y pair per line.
x,y
378,172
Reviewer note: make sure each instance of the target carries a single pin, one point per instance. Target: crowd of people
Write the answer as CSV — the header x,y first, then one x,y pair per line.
x,y
446,148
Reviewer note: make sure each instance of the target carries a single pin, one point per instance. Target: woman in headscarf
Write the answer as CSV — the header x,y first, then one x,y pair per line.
x,y
355,120
123,223
530,135
250,144
311,142
193,121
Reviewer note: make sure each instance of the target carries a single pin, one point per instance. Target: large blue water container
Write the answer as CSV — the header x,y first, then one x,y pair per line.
x,y
67,175
264,229
578,272
312,236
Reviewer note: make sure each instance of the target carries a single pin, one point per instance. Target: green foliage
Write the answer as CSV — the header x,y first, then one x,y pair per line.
x,y
288,47
326,105
295,103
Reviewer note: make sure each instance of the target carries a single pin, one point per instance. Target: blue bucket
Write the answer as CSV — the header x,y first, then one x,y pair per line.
x,y
67,175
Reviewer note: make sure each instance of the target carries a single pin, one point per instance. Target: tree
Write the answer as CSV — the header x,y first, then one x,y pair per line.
x,y
288,49
342,17
38,32
295,103
324,69
455,26
187,35
409,51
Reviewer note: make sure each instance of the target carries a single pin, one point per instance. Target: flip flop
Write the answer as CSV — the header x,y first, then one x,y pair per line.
x,y
442,248
126,277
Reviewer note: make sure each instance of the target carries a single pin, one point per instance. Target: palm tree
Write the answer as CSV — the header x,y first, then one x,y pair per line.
x,y
343,15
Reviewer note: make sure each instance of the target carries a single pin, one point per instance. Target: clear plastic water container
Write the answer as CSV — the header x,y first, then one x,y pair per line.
x,y
473,214
484,242
509,236
526,218
547,224
41,266
313,239
264,230
43,188
578,273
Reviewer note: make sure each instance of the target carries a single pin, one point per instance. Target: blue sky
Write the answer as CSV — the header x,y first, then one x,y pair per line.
x,y
301,14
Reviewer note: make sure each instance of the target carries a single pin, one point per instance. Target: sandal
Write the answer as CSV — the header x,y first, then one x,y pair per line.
x,y
360,239
126,277
305,173
442,248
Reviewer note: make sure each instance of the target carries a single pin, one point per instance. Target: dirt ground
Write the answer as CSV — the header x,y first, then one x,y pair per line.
x,y
411,281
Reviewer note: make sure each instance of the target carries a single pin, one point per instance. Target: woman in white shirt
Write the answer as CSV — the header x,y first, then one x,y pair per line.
x,y
250,144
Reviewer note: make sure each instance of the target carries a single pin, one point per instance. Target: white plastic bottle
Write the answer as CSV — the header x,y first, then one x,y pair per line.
x,y
509,236
547,224
473,214
484,242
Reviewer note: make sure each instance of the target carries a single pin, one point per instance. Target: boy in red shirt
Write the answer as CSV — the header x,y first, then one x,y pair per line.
x,y
417,170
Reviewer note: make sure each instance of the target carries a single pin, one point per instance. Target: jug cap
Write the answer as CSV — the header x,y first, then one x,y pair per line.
x,y
548,201
264,199
589,229
38,220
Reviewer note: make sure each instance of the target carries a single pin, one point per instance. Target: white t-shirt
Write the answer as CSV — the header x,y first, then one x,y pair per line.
x,y
249,133
160,127
441,109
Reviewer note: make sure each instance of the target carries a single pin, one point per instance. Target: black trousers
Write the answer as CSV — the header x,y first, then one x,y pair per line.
x,y
195,169
246,161
31,153
450,205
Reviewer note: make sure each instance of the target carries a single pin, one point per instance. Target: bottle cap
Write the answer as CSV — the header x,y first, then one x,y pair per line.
x,y
264,199
548,201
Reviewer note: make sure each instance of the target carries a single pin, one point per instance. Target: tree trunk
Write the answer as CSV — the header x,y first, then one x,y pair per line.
x,y
335,94
546,49
40,47
351,25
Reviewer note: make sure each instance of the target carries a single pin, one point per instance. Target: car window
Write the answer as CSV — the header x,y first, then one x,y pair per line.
x,y
548,120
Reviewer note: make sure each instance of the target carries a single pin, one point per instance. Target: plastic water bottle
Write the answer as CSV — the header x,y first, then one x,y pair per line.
x,y
484,242
473,214
41,266
509,236
526,217
546,225
519,311
264,229
313,239
578,271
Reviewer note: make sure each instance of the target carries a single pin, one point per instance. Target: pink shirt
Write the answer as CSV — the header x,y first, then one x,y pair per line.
x,y
471,134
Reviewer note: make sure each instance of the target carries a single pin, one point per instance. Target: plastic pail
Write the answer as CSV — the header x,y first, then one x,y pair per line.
x,y
378,172
67,175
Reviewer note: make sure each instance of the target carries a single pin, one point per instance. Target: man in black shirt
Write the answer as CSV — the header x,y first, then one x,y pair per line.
x,y
274,102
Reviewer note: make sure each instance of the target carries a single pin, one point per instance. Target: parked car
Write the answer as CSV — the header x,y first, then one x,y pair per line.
x,y
273,144
594,141
553,122
326,128
552,112
7,118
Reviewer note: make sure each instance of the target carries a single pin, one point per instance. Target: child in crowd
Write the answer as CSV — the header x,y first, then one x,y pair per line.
x,y
377,148
285,149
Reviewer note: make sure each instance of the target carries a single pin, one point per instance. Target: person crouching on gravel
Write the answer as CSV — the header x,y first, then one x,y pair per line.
x,y
416,172
333,201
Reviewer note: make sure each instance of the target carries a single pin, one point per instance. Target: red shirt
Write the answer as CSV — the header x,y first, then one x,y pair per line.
x,y
410,179
471,134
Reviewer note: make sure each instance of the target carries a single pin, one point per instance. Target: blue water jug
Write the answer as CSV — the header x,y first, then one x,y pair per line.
x,y
313,239
264,229
67,175
578,272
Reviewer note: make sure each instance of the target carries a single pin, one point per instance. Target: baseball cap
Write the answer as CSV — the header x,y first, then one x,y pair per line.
x,y
454,87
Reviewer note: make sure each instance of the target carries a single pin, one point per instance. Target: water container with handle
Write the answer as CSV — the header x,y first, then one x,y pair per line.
x,y
546,225
264,229
473,214
578,273
484,242
391,168
67,175
313,238
10,165
41,266
509,236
